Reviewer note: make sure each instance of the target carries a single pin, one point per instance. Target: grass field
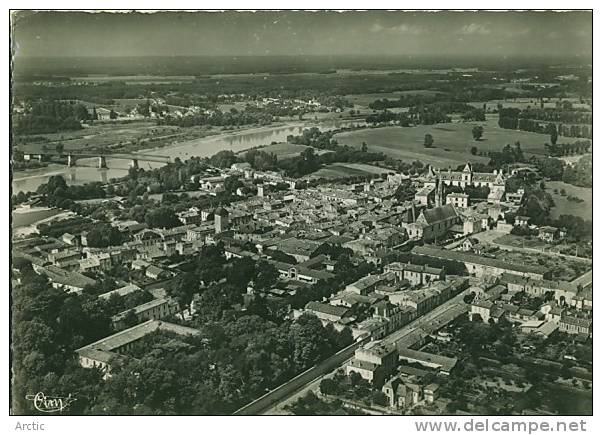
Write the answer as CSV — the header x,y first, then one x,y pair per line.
x,y
520,242
563,206
342,170
453,141
285,150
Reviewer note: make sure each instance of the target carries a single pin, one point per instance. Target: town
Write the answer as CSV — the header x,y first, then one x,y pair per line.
x,y
322,273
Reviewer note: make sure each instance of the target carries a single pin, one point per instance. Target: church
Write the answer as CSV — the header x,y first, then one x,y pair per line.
x,y
433,223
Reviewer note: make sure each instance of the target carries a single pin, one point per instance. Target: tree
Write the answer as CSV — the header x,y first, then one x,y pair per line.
x,y
232,183
553,134
266,276
474,151
162,217
364,147
551,168
183,288
310,341
112,114
477,132
428,140
329,386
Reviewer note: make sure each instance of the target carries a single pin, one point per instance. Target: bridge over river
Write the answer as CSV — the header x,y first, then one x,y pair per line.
x,y
73,156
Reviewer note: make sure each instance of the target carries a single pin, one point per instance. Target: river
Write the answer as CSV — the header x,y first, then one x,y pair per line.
x,y
86,171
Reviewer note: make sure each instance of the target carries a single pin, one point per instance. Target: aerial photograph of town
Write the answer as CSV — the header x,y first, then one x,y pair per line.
x,y
295,213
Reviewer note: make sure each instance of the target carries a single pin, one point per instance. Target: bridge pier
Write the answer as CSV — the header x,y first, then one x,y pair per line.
x,y
70,160
102,162
134,163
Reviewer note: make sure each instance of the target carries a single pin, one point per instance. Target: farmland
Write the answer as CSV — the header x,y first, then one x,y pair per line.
x,y
453,141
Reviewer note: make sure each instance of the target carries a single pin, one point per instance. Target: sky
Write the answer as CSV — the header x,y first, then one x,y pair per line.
x,y
58,34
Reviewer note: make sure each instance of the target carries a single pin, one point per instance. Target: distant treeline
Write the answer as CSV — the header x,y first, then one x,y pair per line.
x,y
573,123
50,117
419,99
428,114
218,118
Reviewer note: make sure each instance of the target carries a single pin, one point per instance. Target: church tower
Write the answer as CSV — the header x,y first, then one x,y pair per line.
x,y
439,192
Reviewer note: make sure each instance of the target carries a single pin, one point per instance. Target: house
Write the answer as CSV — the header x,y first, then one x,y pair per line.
x,y
154,272
70,239
481,308
70,281
548,234
441,363
190,217
458,200
374,362
425,196
515,197
367,284
300,273
431,392
521,221
63,258
473,224
414,273
152,310
471,244
326,312
402,393
241,167
575,325
301,249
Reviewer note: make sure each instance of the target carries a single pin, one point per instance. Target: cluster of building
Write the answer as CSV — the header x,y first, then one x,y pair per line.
x,y
296,230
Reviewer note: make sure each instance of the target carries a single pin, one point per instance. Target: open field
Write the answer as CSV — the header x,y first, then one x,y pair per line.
x,y
285,150
564,206
520,242
341,170
453,141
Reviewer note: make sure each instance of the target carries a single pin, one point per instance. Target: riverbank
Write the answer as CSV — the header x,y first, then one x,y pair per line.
x,y
25,218
235,140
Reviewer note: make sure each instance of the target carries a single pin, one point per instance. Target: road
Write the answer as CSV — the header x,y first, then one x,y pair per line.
x,y
452,307
428,319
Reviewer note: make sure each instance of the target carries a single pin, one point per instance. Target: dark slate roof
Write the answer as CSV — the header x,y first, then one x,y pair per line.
x,y
439,214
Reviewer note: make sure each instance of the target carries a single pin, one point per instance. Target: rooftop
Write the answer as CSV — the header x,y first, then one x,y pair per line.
x,y
446,254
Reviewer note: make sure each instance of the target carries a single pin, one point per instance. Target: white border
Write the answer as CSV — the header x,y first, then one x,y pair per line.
x,y
253,425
